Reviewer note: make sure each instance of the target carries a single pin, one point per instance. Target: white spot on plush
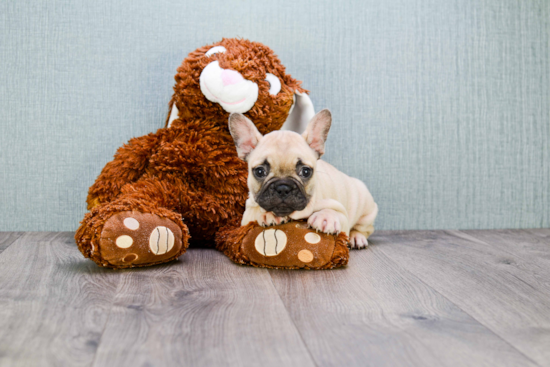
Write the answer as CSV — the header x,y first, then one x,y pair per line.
x,y
228,88
274,84
131,223
270,242
215,50
161,240
124,241
312,237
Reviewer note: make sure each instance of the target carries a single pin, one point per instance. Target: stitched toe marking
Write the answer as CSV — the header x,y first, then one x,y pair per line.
x,y
131,223
124,241
130,258
312,237
161,240
270,242
305,256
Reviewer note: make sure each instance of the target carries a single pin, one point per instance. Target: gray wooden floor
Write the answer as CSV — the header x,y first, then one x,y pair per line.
x,y
414,298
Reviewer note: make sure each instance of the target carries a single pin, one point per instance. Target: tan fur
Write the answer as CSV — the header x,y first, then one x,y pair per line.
x,y
338,203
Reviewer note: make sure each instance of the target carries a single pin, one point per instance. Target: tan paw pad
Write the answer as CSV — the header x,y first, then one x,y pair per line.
x,y
130,258
131,223
124,241
161,240
305,256
270,242
312,238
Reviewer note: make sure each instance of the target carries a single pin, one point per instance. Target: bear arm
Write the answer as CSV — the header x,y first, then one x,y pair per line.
x,y
128,165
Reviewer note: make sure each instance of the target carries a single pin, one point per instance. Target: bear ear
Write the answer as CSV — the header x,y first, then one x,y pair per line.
x,y
300,113
174,114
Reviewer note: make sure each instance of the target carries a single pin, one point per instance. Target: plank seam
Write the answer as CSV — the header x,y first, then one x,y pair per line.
x,y
4,247
115,293
292,321
101,336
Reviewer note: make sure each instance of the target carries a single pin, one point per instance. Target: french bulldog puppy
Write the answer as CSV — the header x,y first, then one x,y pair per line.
x,y
287,180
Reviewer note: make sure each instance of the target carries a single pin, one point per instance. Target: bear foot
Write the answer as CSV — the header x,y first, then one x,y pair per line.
x,y
291,245
132,239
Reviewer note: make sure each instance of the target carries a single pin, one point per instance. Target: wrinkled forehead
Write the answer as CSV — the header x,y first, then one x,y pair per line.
x,y
282,150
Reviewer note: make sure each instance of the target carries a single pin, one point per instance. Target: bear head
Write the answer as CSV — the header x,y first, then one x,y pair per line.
x,y
236,75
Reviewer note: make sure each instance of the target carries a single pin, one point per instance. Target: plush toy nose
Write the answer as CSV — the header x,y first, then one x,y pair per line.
x,y
231,77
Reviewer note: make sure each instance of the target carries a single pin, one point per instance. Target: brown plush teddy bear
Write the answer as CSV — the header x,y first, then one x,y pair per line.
x,y
185,182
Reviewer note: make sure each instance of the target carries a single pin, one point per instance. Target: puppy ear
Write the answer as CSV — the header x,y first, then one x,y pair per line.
x,y
317,131
245,134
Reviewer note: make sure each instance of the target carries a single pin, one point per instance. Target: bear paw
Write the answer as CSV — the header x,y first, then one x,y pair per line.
x,y
293,245
133,239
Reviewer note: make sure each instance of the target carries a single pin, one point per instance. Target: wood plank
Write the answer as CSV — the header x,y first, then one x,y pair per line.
x,y
498,287
200,311
528,250
375,313
53,303
7,238
415,298
532,245
539,232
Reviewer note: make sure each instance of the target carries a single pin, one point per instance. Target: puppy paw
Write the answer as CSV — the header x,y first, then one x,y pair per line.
x,y
326,221
357,241
269,219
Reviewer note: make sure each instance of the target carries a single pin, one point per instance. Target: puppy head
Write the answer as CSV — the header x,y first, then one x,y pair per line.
x,y
281,164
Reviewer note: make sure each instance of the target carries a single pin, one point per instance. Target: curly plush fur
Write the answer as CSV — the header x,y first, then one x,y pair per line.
x,y
189,172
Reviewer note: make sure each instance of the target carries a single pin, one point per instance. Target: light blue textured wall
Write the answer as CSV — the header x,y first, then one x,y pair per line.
x,y
441,107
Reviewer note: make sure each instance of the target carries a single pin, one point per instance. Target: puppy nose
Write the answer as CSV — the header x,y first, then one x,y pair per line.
x,y
231,77
283,190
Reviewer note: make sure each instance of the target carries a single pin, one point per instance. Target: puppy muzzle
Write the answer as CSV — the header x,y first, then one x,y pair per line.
x,y
282,196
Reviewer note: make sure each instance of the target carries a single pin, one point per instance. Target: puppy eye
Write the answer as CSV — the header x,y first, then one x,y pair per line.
x,y
215,50
274,84
305,172
259,172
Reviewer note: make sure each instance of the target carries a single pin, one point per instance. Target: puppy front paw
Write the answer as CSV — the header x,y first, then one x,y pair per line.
x,y
357,240
269,219
326,221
